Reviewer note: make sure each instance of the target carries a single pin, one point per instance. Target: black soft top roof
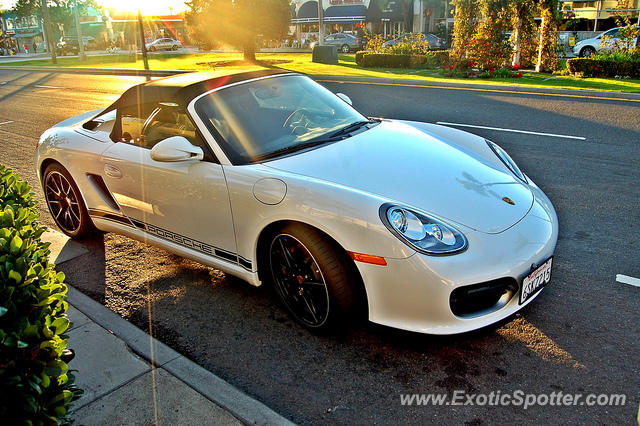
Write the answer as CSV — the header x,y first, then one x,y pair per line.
x,y
183,88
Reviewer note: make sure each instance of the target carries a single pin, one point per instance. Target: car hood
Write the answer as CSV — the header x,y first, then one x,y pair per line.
x,y
399,162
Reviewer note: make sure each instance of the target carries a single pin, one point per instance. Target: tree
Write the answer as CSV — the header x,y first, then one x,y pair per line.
x,y
466,18
524,29
60,11
238,22
548,46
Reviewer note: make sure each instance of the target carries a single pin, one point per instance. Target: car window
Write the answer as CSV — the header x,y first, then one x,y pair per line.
x,y
168,121
147,124
256,119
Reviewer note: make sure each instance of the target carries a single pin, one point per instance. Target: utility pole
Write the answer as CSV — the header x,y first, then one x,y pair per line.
x,y
49,33
320,23
81,55
144,45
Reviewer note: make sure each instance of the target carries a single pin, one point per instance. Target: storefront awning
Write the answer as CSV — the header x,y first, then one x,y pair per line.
x,y
387,10
308,13
345,14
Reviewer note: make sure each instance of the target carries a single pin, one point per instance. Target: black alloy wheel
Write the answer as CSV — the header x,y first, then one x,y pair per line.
x,y
299,281
65,203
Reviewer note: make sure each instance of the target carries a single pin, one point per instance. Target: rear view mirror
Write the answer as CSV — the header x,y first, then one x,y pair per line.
x,y
344,98
176,148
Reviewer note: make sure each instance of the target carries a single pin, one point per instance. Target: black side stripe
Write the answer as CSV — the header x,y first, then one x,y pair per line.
x,y
187,242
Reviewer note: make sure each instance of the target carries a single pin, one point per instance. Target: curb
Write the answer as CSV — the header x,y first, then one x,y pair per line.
x,y
606,95
242,406
475,86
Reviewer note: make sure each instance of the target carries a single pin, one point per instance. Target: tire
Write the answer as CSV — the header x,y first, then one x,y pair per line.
x,y
152,49
345,48
587,51
313,280
174,48
65,203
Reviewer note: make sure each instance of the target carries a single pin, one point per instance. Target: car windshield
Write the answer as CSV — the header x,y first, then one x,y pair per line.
x,y
266,118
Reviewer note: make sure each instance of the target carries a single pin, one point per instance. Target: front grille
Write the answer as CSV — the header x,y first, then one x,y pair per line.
x,y
480,299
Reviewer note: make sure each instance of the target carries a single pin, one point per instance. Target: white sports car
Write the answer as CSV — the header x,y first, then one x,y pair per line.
x,y
272,178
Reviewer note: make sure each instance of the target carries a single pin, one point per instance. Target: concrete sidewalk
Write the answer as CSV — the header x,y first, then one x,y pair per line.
x,y
129,377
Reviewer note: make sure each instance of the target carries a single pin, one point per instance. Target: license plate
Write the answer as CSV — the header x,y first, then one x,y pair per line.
x,y
533,282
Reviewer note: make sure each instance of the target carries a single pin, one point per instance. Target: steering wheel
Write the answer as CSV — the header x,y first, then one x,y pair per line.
x,y
296,119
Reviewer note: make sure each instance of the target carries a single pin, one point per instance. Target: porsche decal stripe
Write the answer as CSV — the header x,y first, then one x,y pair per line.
x,y
113,217
167,235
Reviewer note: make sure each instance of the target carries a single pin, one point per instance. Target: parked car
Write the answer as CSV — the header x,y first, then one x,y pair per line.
x,y
163,44
270,177
588,47
345,42
435,42
67,46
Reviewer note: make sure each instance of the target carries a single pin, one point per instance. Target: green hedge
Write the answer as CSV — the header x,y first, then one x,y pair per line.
x,y
604,67
384,60
439,57
37,387
432,59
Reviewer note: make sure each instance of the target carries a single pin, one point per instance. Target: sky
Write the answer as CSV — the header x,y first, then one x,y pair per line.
x,y
147,7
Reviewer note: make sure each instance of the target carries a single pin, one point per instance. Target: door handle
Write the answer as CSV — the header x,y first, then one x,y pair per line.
x,y
112,171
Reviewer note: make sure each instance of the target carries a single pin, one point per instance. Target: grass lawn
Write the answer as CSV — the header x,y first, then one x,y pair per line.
x,y
301,62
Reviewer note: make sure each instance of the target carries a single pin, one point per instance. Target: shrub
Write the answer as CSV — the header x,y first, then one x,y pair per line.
x,y
439,58
596,67
385,60
36,385
359,55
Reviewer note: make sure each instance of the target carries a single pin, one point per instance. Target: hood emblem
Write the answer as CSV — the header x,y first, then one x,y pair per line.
x,y
508,201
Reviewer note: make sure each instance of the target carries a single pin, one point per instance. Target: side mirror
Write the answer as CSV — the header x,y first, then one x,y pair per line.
x,y
176,148
344,98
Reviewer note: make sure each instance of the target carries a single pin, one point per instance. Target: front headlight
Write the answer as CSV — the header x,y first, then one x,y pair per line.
x,y
507,160
421,232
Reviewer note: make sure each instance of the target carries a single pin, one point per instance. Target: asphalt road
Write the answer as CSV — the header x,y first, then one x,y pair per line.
x,y
581,336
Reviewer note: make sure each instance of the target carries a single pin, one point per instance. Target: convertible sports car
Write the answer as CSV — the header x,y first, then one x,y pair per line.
x,y
270,177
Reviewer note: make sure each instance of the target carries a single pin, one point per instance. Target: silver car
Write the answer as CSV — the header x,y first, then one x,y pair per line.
x,y
270,177
344,42
163,44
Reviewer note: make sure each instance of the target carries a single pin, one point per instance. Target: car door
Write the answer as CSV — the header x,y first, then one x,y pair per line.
x,y
184,202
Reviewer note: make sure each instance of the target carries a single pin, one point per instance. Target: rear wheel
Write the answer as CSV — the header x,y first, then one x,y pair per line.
x,y
65,202
311,276
152,49
345,48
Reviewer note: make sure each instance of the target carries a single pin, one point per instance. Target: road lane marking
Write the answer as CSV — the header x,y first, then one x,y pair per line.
x,y
477,89
41,86
628,280
6,122
512,130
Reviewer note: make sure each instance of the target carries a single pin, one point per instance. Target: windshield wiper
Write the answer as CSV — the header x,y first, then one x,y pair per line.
x,y
351,127
291,148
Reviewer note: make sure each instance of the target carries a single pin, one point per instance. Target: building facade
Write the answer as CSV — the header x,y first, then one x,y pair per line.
x,y
20,34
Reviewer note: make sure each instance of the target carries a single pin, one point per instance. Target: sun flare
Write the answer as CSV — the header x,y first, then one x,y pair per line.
x,y
146,7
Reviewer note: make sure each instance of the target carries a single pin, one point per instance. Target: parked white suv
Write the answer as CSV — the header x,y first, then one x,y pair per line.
x,y
588,47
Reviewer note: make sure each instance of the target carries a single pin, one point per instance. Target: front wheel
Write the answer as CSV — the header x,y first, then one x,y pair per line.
x,y
311,276
65,202
587,51
345,48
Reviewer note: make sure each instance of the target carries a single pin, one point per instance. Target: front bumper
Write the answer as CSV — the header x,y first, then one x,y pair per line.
x,y
414,293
